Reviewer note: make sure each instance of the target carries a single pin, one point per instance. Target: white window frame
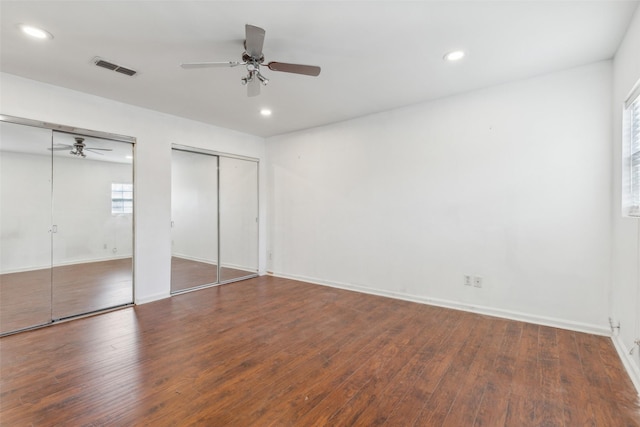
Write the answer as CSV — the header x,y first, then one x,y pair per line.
x,y
120,194
631,155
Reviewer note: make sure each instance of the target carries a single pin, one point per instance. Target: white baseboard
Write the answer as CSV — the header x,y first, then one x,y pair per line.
x,y
632,368
64,263
25,269
489,311
239,267
214,262
197,259
87,261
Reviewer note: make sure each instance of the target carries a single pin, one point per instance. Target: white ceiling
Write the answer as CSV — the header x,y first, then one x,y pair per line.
x,y
375,55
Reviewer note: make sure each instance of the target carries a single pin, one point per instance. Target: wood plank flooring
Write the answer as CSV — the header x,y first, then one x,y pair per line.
x,y
34,297
28,298
276,352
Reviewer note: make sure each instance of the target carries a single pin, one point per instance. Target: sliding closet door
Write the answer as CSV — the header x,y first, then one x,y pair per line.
x,y
238,218
25,219
194,220
92,224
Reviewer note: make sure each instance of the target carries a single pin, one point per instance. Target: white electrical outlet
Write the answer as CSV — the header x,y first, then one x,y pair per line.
x,y
477,281
468,281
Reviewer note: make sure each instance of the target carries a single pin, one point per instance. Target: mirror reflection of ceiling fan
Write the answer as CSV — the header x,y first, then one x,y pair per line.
x,y
78,148
253,58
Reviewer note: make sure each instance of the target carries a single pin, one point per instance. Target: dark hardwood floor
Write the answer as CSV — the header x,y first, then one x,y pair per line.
x,y
186,274
276,352
34,297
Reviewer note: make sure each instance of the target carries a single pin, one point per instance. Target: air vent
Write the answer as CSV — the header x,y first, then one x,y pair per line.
x,y
126,71
114,67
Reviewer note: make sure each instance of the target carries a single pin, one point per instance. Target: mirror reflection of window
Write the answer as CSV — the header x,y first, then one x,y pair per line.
x,y
121,198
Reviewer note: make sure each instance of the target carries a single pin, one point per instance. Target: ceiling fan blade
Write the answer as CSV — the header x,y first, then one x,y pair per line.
x,y
253,87
307,70
189,65
254,41
98,149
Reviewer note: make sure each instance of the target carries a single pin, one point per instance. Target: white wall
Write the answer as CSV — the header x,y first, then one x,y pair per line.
x,y
195,209
86,228
155,132
238,209
194,206
87,231
511,183
625,277
25,211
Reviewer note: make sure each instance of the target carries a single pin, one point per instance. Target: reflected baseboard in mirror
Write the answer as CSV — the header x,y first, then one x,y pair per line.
x,y
187,274
25,297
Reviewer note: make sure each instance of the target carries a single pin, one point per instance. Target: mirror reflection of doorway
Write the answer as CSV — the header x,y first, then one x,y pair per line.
x,y
214,229
66,209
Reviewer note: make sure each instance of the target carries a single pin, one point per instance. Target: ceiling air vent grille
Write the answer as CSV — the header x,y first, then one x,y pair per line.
x,y
114,67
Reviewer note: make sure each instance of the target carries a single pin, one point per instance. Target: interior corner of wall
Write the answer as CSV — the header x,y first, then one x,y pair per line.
x,y
151,298
626,356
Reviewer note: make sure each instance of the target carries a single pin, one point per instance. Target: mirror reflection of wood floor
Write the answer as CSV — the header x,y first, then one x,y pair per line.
x,y
187,273
269,351
33,297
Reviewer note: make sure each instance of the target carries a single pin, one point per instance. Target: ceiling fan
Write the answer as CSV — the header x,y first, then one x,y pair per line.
x,y
78,148
253,58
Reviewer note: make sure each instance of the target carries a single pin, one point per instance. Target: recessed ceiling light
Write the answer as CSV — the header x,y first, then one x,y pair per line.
x,y
128,157
265,112
454,56
35,32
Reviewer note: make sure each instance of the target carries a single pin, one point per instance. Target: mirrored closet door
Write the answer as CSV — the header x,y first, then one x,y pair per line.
x,y
66,224
194,220
214,226
25,226
93,224
238,218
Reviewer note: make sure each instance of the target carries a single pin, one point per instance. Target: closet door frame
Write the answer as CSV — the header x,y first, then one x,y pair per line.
x,y
90,133
68,129
219,154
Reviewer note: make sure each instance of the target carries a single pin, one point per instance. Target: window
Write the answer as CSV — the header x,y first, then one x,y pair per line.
x,y
121,198
631,156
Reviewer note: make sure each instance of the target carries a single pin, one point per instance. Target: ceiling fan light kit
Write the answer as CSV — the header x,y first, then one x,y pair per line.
x,y
253,58
78,148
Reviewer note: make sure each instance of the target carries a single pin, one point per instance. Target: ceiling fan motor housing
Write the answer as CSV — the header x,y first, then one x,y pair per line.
x,y
250,59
